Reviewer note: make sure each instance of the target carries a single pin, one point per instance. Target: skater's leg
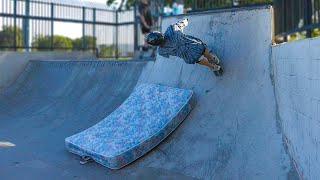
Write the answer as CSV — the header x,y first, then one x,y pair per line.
x,y
213,58
205,62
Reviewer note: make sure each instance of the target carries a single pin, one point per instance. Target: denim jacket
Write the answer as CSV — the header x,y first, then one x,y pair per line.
x,y
176,43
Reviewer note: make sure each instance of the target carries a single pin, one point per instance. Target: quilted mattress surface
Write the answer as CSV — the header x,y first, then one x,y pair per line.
x,y
145,119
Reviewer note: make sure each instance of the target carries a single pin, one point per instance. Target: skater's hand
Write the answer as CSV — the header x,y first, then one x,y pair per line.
x,y
183,23
147,26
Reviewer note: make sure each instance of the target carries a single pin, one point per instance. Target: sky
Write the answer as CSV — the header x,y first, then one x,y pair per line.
x,y
72,30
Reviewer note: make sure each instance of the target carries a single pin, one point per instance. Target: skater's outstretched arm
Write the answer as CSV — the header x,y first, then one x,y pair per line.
x,y
180,25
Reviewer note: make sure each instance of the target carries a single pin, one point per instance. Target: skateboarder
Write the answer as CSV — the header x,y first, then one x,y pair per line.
x,y
191,49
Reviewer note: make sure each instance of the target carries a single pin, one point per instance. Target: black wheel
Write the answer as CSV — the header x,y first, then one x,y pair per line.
x,y
85,160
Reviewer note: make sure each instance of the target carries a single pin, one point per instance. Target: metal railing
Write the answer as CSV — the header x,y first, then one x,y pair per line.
x,y
291,16
36,25
297,16
39,25
199,5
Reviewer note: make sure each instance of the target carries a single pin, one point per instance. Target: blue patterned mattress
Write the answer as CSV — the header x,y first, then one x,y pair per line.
x,y
145,119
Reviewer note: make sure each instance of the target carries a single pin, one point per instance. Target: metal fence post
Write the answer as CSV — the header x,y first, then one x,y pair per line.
x,y
117,34
15,25
135,28
308,16
284,18
26,20
83,28
193,5
52,28
94,39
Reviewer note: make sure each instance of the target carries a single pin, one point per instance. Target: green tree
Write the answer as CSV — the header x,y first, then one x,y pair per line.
x,y
44,42
316,32
128,4
7,36
90,43
108,51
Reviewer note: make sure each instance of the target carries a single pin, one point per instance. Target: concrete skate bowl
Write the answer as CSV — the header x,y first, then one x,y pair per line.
x,y
232,132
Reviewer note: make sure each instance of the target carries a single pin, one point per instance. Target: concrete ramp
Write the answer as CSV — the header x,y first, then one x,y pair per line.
x,y
53,100
232,133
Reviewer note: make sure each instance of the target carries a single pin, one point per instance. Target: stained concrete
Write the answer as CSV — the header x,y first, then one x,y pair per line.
x,y
231,134
51,101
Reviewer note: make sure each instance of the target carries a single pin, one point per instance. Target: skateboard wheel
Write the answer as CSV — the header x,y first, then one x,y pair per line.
x,y
85,160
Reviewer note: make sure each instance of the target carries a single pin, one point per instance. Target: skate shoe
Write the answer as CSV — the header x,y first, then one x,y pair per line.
x,y
216,60
215,68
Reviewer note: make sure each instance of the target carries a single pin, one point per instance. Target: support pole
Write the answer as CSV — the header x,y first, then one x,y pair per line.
x,y
52,27
83,28
26,26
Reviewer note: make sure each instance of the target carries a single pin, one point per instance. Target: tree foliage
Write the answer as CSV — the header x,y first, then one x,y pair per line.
x,y
129,3
108,51
44,42
7,36
90,43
